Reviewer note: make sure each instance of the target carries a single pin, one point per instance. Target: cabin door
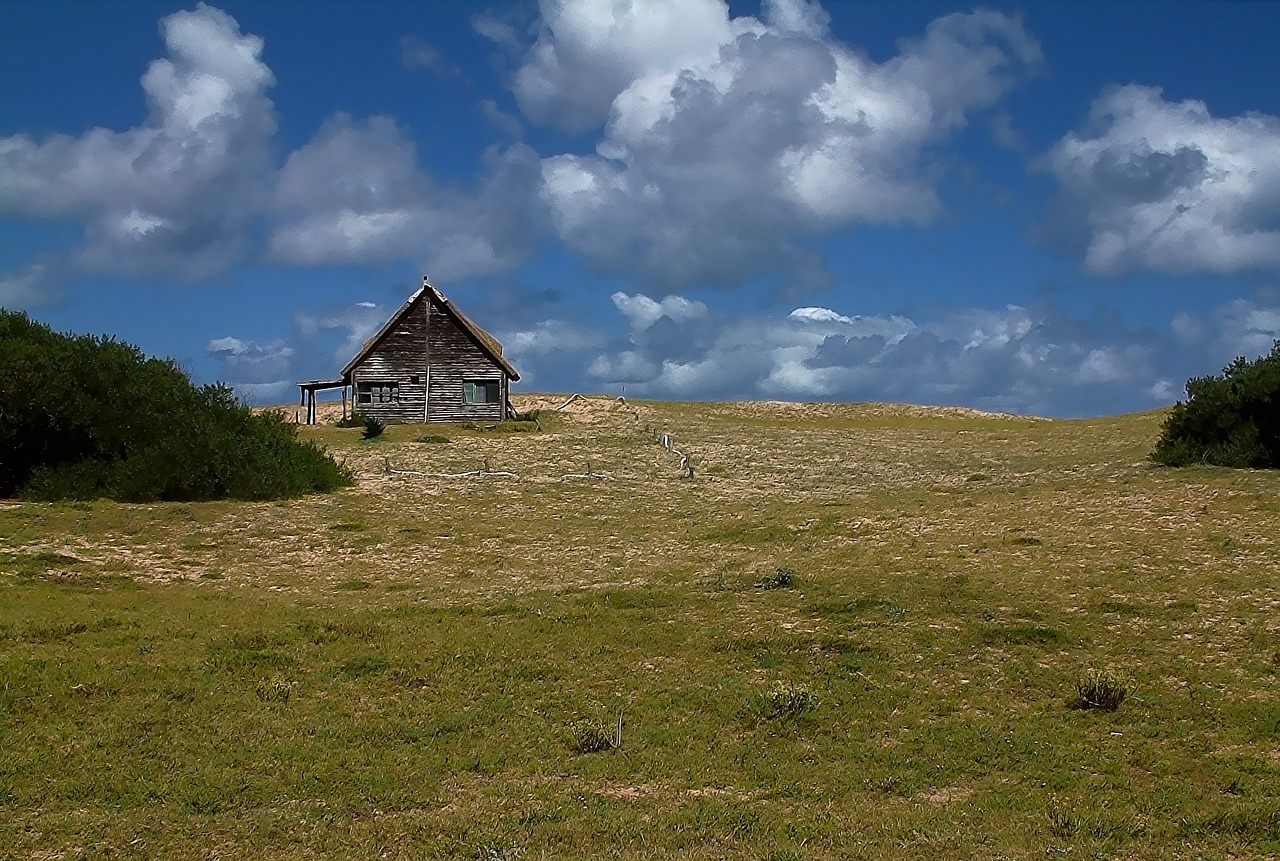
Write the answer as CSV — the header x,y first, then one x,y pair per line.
x,y
426,400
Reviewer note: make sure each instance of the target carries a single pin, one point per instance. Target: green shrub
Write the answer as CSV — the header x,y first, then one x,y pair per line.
x,y
83,417
352,420
1231,420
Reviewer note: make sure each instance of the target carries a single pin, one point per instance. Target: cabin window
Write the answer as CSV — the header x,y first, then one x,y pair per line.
x,y
480,391
377,392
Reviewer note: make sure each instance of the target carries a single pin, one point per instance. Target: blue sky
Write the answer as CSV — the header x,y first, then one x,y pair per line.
x,y
1057,209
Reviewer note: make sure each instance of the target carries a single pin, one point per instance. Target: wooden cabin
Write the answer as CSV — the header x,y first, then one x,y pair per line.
x,y
428,363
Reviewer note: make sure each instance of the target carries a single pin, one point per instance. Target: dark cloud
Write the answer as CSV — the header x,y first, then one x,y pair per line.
x,y
838,351
1146,177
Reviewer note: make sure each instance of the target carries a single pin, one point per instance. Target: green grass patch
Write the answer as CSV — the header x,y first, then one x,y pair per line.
x,y
1018,634
436,668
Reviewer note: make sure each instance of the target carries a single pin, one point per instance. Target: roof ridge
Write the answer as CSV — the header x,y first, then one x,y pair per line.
x,y
486,341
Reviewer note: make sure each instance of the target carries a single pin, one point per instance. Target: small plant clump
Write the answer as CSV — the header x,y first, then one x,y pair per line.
x,y
1100,689
274,690
433,438
587,735
498,852
781,578
1065,824
784,700
373,427
351,420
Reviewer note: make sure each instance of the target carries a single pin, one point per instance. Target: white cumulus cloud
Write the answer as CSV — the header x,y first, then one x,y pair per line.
x,y
1241,328
642,312
1031,360
1153,184
356,193
24,289
590,51
176,193
255,370
727,140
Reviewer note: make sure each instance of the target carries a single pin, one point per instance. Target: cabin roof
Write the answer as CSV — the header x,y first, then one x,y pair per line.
x,y
321,384
489,344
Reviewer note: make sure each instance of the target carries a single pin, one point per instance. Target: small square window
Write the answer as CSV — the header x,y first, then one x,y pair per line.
x,y
480,391
378,392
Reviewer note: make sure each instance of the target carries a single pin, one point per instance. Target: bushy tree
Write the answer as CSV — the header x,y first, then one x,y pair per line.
x,y
1227,420
84,417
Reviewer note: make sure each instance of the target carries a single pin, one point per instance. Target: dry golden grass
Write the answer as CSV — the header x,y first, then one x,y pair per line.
x,y
956,574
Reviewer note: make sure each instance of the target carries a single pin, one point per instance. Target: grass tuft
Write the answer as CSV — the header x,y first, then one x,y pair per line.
x,y
781,578
787,701
1101,689
498,852
589,735
274,690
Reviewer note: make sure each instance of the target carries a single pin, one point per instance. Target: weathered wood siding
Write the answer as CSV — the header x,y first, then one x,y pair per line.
x,y
398,357
444,361
456,357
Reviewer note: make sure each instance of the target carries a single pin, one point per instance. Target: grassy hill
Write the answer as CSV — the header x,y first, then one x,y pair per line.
x,y
856,633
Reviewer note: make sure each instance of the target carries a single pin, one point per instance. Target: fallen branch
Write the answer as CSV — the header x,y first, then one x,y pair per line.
x,y
574,397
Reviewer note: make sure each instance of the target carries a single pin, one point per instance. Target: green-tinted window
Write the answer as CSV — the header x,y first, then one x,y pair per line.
x,y
481,391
